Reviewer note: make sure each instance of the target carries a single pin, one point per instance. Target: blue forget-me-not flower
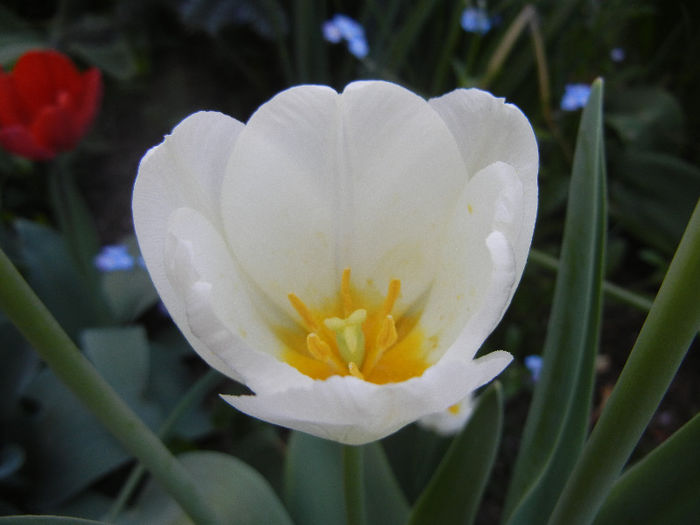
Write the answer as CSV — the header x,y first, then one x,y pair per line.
x,y
113,258
534,364
342,27
575,96
476,20
617,54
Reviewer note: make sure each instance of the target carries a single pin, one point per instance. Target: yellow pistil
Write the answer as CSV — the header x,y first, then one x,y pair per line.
x,y
366,344
349,336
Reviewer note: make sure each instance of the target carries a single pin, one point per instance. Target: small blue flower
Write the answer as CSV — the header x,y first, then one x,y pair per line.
x,y
331,32
342,27
114,258
575,96
617,54
534,364
476,20
358,47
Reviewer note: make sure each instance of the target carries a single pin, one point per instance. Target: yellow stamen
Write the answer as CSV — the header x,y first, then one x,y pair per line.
x,y
321,351
363,343
387,335
386,338
354,371
391,296
345,292
454,409
303,312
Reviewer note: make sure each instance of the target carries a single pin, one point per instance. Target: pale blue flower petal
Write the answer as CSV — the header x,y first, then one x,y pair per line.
x,y
331,32
358,47
617,54
476,20
534,364
342,27
114,258
575,96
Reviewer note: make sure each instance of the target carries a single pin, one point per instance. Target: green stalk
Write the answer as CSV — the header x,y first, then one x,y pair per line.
x,y
669,329
353,485
613,290
32,318
191,398
506,44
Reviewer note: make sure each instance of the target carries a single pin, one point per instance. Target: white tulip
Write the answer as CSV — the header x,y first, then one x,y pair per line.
x,y
343,255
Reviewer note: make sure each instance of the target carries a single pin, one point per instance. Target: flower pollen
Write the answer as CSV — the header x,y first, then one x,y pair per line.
x,y
363,342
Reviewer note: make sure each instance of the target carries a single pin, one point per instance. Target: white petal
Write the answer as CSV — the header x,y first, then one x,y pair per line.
x,y
185,170
488,130
320,181
449,422
476,273
225,327
354,412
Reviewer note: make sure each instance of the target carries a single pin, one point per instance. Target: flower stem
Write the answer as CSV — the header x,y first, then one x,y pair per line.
x,y
623,295
669,329
191,398
32,318
354,485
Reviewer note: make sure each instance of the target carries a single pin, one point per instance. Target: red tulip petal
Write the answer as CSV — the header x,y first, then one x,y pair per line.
x,y
19,140
91,97
55,129
41,75
12,110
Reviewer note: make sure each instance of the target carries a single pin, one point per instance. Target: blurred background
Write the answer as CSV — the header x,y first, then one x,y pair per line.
x,y
162,60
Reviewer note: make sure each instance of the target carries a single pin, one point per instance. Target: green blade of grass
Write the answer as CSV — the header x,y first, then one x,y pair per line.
x,y
454,492
669,329
558,419
663,487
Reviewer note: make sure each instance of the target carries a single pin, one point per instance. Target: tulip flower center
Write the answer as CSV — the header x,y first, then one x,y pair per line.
x,y
367,343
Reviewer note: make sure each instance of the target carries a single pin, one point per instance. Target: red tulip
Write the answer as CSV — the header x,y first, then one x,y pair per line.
x,y
46,104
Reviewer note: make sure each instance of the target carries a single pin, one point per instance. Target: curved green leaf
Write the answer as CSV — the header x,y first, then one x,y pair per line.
x,y
667,333
558,419
314,484
386,503
466,465
663,487
314,480
237,492
46,520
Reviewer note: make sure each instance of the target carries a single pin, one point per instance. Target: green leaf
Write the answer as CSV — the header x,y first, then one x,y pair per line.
x,y
19,364
122,357
53,275
414,454
557,423
454,493
237,492
46,520
662,488
386,504
666,335
646,118
171,376
67,441
653,196
314,480
406,38
314,483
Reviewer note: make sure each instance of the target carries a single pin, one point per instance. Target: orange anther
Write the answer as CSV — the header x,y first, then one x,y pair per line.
x,y
354,371
303,312
391,296
345,292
